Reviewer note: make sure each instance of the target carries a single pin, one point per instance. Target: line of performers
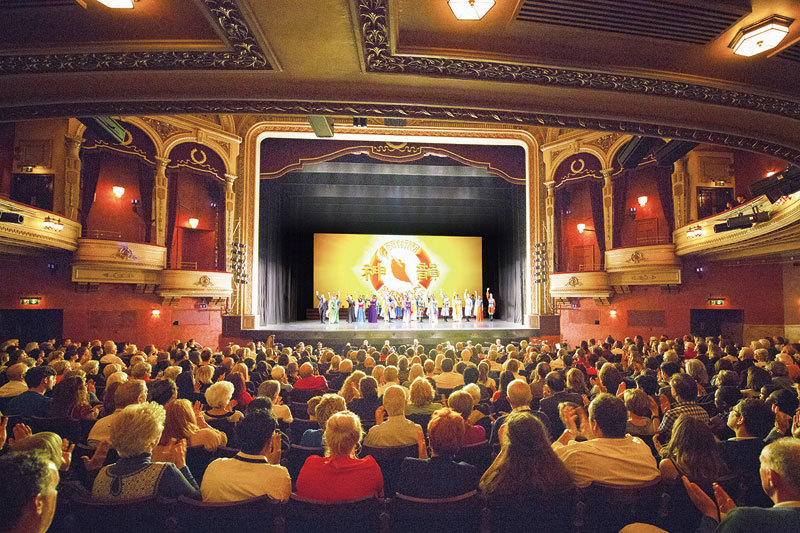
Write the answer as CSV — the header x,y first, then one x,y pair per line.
x,y
408,307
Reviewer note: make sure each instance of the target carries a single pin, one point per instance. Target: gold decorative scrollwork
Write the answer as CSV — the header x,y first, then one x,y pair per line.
x,y
637,257
198,160
574,281
204,281
576,170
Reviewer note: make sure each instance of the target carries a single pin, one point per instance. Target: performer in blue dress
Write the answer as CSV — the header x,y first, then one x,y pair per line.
x,y
360,316
407,305
372,314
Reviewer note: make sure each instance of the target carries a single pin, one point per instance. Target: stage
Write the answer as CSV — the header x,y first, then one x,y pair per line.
x,y
396,331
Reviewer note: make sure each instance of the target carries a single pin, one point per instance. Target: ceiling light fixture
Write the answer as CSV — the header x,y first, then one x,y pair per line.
x,y
470,9
762,36
117,4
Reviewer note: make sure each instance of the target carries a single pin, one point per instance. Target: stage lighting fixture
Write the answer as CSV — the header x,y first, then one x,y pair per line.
x,y
117,4
642,201
322,125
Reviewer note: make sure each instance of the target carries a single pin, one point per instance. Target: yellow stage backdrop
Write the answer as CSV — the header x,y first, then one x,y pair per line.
x,y
377,264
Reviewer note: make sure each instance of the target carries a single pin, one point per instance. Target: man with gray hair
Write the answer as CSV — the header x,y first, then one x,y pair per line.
x,y
780,479
519,397
397,430
308,381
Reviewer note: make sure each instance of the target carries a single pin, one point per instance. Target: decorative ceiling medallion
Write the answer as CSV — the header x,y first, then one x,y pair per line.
x,y
459,114
376,41
245,53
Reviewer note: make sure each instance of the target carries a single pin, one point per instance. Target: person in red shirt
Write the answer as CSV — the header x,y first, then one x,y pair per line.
x,y
308,381
339,476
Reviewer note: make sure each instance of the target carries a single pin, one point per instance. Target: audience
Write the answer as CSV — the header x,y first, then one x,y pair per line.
x,y
396,430
28,492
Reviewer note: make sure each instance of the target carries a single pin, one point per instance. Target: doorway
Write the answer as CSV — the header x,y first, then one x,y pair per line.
x,y
713,322
31,325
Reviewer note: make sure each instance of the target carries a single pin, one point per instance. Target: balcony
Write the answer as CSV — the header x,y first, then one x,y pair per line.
x,y
39,230
643,265
581,285
177,284
780,233
103,259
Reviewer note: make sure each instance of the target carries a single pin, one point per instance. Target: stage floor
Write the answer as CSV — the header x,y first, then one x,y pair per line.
x,y
394,325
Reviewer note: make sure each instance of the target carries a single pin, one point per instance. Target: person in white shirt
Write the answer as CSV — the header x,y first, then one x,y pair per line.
x,y
448,379
608,455
16,381
128,393
397,430
272,390
255,470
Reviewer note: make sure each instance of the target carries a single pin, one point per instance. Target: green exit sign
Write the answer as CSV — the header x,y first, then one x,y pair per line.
x,y
716,302
29,301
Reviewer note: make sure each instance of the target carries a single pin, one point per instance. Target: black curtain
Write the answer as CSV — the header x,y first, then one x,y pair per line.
x,y
90,172
596,198
172,214
147,179
278,292
663,176
619,199
511,263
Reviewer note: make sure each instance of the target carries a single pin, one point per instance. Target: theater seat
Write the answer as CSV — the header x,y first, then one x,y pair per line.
x,y
389,458
262,514
459,514
608,508
522,513
298,427
422,420
297,457
362,516
133,516
198,459
478,455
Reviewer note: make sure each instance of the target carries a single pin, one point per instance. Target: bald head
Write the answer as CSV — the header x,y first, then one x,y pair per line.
x,y
306,370
519,393
394,400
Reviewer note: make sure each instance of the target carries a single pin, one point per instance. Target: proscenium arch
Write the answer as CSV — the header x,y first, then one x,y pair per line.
x,y
247,187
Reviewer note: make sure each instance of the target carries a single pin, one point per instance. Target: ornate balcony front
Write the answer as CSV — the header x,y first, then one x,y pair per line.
x,y
780,233
177,284
643,265
580,285
39,230
111,261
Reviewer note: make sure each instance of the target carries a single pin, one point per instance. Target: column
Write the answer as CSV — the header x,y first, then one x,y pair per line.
x,y
550,221
160,201
230,215
608,204
72,177
679,193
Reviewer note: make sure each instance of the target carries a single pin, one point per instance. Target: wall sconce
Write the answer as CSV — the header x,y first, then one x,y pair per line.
x,y
27,168
632,212
582,228
193,222
470,9
769,174
613,313
118,191
762,36
156,313
135,205
642,201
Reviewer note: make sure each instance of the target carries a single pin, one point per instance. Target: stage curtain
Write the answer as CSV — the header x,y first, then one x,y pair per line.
x,y
511,256
277,298
596,196
663,175
147,178
90,172
619,197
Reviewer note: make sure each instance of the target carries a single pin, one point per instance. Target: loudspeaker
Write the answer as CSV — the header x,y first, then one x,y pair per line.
x,y
322,125
672,151
12,218
632,153
106,128
395,122
783,184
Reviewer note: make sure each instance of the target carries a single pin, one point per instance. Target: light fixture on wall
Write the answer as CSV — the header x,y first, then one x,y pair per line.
x,y
642,201
470,9
117,4
193,222
582,227
613,313
118,191
632,212
156,313
762,36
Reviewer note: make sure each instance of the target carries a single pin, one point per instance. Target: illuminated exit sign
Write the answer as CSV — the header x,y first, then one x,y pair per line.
x,y
716,302
29,301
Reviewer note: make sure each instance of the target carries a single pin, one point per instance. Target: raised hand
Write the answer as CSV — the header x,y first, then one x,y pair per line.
x,y
66,454
724,502
380,414
700,499
22,432
664,401
98,458
3,426
274,451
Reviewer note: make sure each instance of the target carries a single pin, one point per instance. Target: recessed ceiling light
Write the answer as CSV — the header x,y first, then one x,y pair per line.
x,y
470,9
117,4
761,36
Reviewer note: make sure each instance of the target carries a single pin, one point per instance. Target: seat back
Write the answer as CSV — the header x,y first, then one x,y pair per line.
x,y
255,514
609,507
305,516
303,395
422,420
227,427
459,514
478,455
132,516
297,457
198,459
521,513
389,458
64,427
298,427
299,409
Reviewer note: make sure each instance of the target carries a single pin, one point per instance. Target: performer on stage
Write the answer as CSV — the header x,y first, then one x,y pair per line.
x,y
322,307
361,318
421,304
445,312
456,307
478,307
334,302
467,305
390,305
407,308
373,310
433,310
351,308
491,304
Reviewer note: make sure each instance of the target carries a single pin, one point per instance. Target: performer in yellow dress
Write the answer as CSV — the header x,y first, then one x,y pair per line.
x,y
456,308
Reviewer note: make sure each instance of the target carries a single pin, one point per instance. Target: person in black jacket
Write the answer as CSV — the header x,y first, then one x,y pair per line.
x,y
555,394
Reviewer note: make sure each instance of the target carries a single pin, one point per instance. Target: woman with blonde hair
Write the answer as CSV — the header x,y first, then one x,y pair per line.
x,y
420,398
340,476
185,422
349,390
416,372
327,406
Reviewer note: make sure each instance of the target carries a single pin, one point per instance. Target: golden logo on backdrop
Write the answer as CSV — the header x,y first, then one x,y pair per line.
x,y
399,266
